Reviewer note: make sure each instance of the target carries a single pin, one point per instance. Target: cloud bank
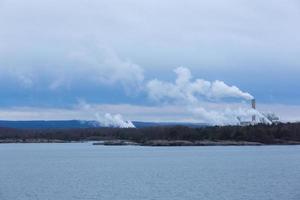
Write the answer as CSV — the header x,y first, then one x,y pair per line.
x,y
100,66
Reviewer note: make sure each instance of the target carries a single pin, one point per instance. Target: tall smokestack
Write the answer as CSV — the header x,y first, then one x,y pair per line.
x,y
253,102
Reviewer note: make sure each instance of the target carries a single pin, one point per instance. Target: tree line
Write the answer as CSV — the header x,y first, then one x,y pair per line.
x,y
267,134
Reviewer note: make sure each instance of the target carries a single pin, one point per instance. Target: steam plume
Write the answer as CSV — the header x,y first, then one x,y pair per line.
x,y
191,94
116,121
184,89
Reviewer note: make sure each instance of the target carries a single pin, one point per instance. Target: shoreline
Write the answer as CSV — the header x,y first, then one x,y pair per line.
x,y
151,143
170,143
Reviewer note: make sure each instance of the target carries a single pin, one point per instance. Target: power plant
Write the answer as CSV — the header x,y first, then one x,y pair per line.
x,y
258,118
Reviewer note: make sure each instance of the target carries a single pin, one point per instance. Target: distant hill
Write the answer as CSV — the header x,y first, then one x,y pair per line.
x,y
39,124
47,124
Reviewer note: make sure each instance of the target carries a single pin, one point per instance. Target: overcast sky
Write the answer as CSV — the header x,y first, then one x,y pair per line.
x,y
56,54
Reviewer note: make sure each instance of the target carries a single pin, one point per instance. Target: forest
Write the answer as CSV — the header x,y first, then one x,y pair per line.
x,y
283,133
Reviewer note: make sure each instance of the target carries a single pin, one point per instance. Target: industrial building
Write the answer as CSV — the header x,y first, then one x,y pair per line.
x,y
265,118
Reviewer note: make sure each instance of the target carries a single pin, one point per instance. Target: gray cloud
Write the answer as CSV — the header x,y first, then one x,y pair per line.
x,y
96,66
169,33
55,45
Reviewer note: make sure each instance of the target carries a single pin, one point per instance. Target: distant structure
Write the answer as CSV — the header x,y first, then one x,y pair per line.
x,y
253,103
248,122
265,118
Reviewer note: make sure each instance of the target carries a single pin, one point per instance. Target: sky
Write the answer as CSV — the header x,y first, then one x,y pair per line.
x,y
74,59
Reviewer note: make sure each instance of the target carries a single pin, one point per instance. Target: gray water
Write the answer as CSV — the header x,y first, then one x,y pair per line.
x,y
83,171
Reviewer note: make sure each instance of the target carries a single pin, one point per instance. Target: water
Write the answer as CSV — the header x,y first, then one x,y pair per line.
x,y
83,171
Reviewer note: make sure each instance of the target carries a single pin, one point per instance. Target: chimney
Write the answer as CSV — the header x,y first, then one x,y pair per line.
x,y
253,102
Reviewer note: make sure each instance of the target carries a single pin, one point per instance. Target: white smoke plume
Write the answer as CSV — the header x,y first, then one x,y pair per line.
x,y
228,116
184,89
116,121
103,118
191,94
